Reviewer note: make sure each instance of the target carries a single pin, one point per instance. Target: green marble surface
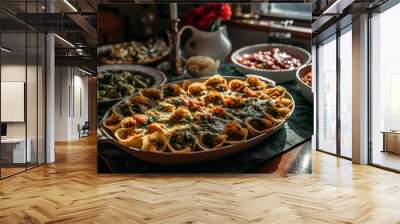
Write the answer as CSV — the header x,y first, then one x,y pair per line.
x,y
297,129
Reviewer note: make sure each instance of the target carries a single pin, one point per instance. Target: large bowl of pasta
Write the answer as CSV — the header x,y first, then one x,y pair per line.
x,y
197,120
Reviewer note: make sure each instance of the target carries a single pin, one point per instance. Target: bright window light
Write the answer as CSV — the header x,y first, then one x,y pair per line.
x,y
84,71
5,50
64,40
70,5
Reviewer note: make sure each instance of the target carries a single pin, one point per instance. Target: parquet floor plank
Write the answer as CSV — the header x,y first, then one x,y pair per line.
x,y
71,191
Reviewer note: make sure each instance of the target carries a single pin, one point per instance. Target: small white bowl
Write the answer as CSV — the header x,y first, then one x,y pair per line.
x,y
201,66
279,76
305,89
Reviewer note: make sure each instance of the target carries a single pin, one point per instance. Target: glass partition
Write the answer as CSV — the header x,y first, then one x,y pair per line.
x,y
31,98
346,92
41,97
326,95
14,151
287,10
22,94
334,94
385,89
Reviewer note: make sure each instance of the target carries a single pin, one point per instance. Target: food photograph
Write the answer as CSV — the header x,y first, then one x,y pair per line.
x,y
203,88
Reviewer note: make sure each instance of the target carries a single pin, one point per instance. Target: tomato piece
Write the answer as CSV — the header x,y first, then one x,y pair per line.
x,y
140,119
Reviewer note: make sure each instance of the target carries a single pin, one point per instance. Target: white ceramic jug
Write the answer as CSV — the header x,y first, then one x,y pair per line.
x,y
212,44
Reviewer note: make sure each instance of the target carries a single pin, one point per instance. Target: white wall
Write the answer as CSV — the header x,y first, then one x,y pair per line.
x,y
70,84
11,73
80,111
16,73
61,103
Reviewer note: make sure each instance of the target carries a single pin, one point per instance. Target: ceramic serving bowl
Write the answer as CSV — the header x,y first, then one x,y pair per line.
x,y
279,76
101,50
158,78
305,89
165,158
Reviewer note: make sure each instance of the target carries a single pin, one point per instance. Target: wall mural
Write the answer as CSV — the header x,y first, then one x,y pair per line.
x,y
203,88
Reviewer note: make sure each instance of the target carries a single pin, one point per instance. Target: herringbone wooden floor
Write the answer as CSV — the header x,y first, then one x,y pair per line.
x,y
71,191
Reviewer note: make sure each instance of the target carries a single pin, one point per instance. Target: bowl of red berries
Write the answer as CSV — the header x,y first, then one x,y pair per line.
x,y
278,62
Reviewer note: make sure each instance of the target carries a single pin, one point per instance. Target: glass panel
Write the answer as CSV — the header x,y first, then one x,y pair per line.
x,y
385,84
32,87
23,82
346,94
288,10
13,85
31,98
41,99
327,96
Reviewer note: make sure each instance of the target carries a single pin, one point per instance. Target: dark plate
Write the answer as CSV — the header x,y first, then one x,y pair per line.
x,y
157,76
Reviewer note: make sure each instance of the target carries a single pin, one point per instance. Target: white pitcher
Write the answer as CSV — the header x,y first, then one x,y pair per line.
x,y
212,44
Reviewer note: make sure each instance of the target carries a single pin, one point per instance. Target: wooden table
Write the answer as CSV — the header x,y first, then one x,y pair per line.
x,y
391,141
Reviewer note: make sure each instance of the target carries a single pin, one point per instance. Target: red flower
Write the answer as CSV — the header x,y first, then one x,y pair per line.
x,y
204,16
202,25
198,10
210,17
225,12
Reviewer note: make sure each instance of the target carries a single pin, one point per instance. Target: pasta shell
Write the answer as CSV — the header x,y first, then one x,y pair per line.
x,y
167,107
151,93
129,137
278,115
181,113
208,140
258,126
255,83
112,123
217,83
186,84
237,85
124,110
139,100
128,122
247,92
154,127
155,142
214,97
233,101
196,89
181,142
263,96
275,92
235,133
284,102
172,90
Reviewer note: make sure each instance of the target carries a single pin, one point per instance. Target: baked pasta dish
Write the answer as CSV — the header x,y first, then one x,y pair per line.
x,y
198,116
135,52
